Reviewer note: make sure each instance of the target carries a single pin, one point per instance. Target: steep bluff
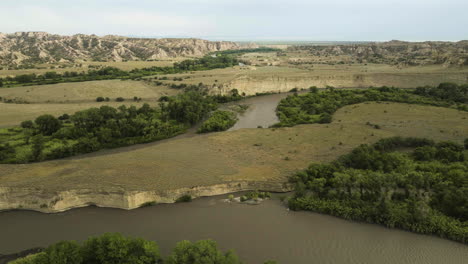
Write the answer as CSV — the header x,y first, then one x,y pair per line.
x,y
58,201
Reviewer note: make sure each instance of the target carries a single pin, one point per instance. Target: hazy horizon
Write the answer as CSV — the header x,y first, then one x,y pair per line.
x,y
244,20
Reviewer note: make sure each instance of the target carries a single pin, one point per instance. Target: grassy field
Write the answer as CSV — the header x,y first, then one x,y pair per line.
x,y
86,91
284,77
247,154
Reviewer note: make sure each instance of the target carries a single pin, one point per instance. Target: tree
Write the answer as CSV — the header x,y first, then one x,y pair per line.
x,y
27,124
325,118
113,248
65,252
1,82
51,75
25,78
6,150
48,124
100,99
37,146
64,117
203,251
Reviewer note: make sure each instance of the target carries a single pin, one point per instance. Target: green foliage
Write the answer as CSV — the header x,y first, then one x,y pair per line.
x,y
204,251
105,127
113,248
184,199
425,191
37,147
100,99
27,124
47,124
65,252
255,195
317,107
148,204
218,121
206,63
189,107
446,91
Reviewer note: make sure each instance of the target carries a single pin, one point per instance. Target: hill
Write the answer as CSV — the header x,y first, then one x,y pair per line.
x,y
40,47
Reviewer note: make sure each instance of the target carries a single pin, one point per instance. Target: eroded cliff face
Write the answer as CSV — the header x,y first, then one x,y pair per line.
x,y
40,47
53,201
251,85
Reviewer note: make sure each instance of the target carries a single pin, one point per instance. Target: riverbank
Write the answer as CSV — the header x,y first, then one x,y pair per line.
x,y
54,202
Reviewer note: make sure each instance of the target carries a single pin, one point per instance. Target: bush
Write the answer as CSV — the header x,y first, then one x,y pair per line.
x,y
218,121
204,251
47,124
64,117
100,99
119,99
27,124
184,199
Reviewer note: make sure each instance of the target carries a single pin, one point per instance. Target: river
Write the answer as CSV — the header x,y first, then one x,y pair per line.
x,y
256,233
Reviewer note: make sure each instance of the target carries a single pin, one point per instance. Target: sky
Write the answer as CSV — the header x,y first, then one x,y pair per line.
x,y
306,20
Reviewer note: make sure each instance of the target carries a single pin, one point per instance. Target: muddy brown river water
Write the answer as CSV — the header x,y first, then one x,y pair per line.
x,y
257,233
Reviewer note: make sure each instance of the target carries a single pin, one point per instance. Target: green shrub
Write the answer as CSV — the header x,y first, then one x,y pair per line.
x,y
184,199
218,121
27,124
147,204
47,124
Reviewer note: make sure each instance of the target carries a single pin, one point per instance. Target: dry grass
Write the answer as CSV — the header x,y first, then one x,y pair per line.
x,y
86,91
248,154
254,79
84,66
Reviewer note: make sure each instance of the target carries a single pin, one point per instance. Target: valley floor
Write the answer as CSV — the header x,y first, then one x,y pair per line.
x,y
215,163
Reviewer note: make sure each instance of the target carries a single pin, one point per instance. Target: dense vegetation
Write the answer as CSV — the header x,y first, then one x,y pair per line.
x,y
89,130
446,91
318,107
218,121
113,248
106,73
425,190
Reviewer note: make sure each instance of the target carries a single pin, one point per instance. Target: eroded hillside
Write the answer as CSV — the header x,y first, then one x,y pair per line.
x,y
40,47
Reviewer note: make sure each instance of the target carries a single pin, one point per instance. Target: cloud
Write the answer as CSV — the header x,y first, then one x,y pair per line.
x,y
231,19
